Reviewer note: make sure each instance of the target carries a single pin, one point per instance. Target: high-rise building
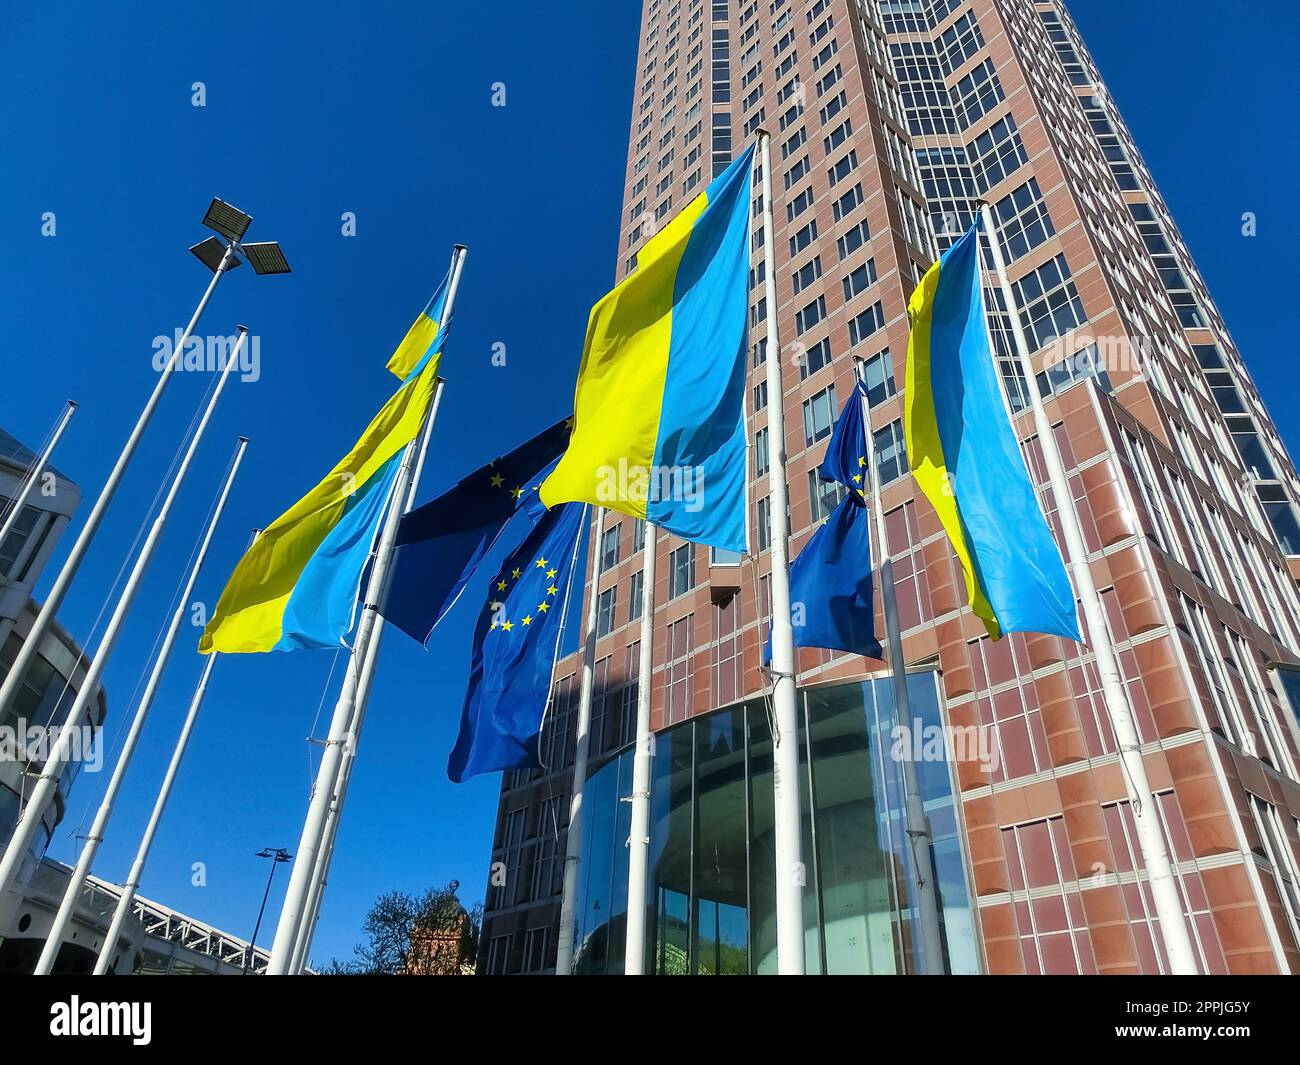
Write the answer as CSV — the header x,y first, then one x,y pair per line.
x,y
891,121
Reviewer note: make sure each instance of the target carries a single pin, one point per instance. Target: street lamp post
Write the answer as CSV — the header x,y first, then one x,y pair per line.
x,y
278,855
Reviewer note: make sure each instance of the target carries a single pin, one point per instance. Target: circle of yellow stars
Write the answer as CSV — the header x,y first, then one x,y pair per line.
x,y
503,585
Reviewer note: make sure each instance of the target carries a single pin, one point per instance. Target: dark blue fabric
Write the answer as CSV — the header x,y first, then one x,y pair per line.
x,y
846,454
440,544
514,649
831,600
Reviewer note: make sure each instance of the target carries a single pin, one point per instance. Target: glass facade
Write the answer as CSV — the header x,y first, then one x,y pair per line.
x,y
710,897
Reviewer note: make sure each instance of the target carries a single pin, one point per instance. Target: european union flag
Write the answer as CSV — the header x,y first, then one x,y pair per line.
x,y
831,588
440,544
514,649
846,454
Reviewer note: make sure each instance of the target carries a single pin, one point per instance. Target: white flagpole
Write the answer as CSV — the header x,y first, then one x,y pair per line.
x,y
920,838
638,840
1155,856
320,875
790,872
323,792
581,751
43,793
54,939
36,635
34,475
132,883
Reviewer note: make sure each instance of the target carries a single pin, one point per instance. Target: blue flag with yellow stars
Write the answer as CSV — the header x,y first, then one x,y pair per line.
x,y
440,544
832,602
514,649
846,454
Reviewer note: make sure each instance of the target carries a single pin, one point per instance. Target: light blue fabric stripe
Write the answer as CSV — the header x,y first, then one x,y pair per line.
x,y
435,311
320,609
702,437
1016,560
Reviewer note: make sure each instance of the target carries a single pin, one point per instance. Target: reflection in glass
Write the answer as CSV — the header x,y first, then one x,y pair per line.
x,y
711,892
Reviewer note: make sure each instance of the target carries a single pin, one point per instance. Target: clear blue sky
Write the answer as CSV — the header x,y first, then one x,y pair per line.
x,y
384,109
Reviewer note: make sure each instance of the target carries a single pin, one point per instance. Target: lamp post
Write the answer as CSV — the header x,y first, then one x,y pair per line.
x,y
278,855
219,257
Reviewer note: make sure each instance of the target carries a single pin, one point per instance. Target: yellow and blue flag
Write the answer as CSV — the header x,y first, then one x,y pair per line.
x,y
297,585
424,338
966,459
659,427
515,645
440,544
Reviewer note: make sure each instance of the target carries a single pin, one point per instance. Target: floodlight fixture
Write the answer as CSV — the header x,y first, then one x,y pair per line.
x,y
211,253
265,257
229,221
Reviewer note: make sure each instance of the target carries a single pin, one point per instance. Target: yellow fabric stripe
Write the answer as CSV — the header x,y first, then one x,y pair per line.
x,y
413,346
620,390
248,615
924,449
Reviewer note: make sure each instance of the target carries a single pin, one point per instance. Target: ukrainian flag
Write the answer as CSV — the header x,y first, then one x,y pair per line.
x,y
966,458
659,419
425,336
297,585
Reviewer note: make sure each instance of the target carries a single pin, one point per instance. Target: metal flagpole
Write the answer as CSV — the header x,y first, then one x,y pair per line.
x,y
132,884
638,840
54,939
790,873
323,791
320,875
35,636
47,783
34,474
918,824
581,750
1155,855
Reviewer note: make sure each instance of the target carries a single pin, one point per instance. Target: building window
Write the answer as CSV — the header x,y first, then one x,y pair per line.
x,y
609,547
819,416
681,570
1049,303
636,596
760,453
891,452
728,659
764,523
1277,851
810,315
1280,512
860,280
878,375
719,556
606,611
677,680
1022,220
825,496
853,239
807,274
535,949
866,323
996,153
498,955
638,534
815,358
18,537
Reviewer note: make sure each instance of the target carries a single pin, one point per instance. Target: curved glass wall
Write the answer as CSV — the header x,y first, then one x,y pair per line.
x,y
711,895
